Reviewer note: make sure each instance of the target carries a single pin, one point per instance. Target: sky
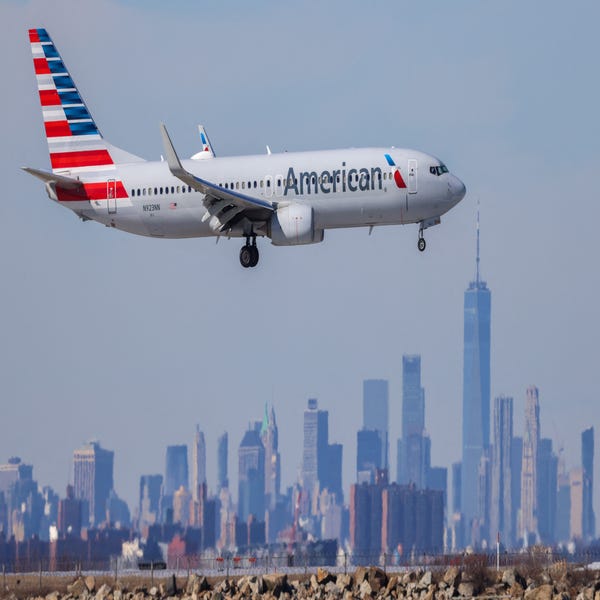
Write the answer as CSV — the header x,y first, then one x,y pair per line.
x,y
132,341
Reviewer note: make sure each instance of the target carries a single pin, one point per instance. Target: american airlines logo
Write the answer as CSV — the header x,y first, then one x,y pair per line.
x,y
339,180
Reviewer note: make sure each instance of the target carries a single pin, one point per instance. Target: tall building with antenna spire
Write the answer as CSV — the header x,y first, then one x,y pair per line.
x,y
476,394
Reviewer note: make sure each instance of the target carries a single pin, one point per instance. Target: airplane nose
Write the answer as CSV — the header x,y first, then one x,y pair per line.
x,y
458,190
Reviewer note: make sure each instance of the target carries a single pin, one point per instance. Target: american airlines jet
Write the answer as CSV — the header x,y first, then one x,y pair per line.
x,y
291,198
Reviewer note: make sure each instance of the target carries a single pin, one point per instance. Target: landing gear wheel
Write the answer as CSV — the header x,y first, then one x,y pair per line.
x,y
254,256
247,256
249,253
421,244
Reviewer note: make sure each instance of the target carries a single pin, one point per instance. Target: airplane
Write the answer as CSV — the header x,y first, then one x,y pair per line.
x,y
289,197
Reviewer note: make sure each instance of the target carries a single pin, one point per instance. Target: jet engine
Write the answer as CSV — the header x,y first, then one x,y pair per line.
x,y
293,225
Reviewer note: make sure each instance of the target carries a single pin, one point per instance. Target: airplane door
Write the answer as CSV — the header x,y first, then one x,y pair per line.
x,y
111,196
412,176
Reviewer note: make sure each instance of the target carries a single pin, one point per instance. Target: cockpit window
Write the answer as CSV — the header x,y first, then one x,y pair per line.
x,y
438,170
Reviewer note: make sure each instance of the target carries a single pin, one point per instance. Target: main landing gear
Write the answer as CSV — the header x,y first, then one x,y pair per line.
x,y
421,244
249,253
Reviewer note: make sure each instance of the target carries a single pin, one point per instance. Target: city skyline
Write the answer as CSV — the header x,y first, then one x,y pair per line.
x,y
153,353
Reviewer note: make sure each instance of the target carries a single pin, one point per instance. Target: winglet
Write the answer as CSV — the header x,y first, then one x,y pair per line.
x,y
172,158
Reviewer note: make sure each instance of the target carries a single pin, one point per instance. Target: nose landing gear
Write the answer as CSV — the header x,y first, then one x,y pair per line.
x,y
249,253
421,243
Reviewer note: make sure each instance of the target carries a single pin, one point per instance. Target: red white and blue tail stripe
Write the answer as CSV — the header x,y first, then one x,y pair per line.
x,y
74,141
77,149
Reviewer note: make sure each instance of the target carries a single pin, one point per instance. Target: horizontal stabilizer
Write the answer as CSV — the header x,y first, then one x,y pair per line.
x,y
67,183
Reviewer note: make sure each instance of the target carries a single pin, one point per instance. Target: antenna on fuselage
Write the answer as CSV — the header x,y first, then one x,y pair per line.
x,y
477,259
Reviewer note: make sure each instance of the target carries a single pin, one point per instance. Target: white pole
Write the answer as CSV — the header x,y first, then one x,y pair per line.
x,y
498,552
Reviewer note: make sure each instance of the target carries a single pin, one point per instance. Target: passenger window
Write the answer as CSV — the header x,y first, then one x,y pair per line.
x,y
155,191
261,183
189,188
237,185
166,190
268,183
255,183
249,184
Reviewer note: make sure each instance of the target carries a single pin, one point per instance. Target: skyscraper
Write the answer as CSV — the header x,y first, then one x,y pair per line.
x,y
222,459
376,414
198,462
576,487
547,489
93,481
501,501
251,476
321,461
476,388
176,472
531,438
270,438
414,447
516,463
316,440
368,455
149,506
587,463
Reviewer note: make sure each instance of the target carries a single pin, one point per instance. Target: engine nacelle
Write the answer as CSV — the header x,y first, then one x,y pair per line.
x,y
293,225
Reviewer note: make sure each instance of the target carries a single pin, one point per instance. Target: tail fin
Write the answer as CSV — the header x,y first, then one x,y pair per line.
x,y
74,141
207,149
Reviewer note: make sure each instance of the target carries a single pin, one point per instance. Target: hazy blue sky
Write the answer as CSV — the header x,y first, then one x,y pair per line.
x,y
133,340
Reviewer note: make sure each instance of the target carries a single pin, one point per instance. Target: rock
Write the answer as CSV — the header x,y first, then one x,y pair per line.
x,y
429,595
90,583
103,592
77,587
510,577
344,582
117,595
192,579
348,595
365,589
244,587
314,584
217,595
452,576
275,583
377,578
153,591
392,584
516,590
426,580
324,576
360,575
543,592
53,596
466,589
171,586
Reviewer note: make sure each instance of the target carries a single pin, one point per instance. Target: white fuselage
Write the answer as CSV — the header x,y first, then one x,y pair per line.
x,y
345,188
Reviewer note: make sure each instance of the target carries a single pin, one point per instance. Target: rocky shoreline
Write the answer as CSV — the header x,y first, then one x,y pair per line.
x,y
558,582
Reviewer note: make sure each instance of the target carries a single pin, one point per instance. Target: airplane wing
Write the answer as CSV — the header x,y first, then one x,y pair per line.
x,y
225,206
